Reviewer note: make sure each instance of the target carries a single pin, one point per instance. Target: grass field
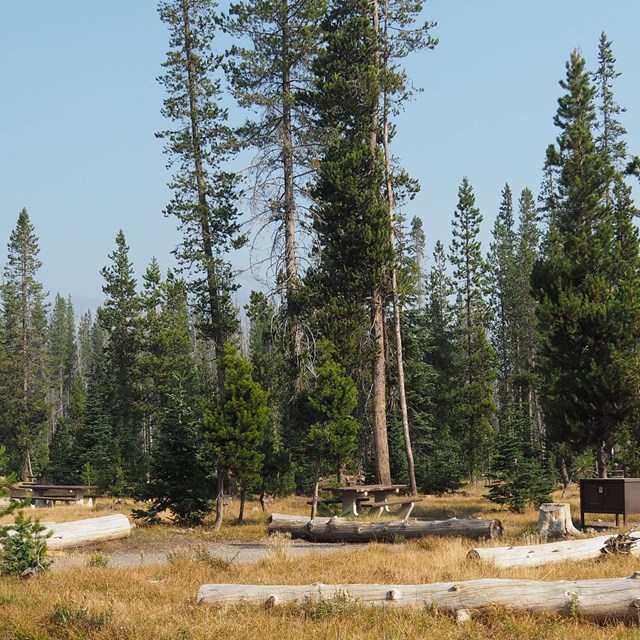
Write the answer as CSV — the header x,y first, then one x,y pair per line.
x,y
159,601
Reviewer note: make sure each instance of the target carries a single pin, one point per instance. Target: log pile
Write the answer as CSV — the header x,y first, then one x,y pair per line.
x,y
540,554
604,599
344,530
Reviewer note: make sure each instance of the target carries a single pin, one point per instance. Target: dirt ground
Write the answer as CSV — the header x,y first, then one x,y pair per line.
x,y
129,552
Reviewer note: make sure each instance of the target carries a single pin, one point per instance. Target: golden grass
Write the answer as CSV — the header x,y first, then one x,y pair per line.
x,y
157,602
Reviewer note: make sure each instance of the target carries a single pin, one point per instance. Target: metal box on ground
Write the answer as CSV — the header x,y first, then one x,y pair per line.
x,y
609,495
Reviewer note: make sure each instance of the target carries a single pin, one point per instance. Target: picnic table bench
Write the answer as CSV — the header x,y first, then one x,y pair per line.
x,y
406,506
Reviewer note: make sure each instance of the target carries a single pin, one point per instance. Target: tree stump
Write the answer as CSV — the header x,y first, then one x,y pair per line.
x,y
554,521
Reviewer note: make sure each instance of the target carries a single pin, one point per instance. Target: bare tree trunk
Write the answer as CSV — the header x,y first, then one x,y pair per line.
x,y
564,473
601,460
217,523
337,529
316,485
243,495
394,291
380,438
289,201
603,599
551,552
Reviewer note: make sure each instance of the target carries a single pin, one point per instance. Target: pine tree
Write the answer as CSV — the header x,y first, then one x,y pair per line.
x,y
235,425
441,468
119,317
83,353
23,337
205,194
151,353
502,262
611,132
418,242
330,402
588,311
96,446
351,217
61,347
519,479
271,371
177,471
474,405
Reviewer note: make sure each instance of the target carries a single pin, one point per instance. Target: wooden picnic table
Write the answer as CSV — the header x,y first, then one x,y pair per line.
x,y
43,495
352,494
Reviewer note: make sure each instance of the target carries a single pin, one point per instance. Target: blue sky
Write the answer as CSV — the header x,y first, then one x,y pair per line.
x,y
80,106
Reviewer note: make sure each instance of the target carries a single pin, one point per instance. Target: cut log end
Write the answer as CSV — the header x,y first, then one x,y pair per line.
x,y
462,616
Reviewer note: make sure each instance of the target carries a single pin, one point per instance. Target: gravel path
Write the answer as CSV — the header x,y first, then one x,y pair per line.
x,y
245,552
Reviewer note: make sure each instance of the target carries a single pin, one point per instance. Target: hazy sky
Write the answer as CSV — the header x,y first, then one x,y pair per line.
x,y
80,106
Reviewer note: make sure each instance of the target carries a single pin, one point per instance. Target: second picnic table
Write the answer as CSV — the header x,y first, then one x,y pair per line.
x,y
43,494
352,494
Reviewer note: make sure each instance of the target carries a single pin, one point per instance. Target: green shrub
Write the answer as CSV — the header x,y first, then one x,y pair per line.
x,y
23,545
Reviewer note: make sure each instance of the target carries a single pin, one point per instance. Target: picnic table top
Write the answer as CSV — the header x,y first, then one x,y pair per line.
x,y
366,488
72,487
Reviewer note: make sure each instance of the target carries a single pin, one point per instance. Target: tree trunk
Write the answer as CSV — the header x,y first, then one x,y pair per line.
x,y
601,460
380,438
394,291
604,599
343,530
243,495
217,523
289,202
541,554
316,485
564,473
554,520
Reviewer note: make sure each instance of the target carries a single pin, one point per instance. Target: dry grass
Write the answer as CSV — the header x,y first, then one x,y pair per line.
x,y
158,602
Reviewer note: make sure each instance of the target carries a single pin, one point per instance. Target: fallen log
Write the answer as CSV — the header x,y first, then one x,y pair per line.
x,y
79,532
605,599
343,530
554,521
539,554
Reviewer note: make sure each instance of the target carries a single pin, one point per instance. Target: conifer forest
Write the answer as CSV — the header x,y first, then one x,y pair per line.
x,y
515,364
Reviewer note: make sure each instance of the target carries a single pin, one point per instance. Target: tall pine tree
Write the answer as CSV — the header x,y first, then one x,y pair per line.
x,y
24,357
588,309
351,217
473,403
204,192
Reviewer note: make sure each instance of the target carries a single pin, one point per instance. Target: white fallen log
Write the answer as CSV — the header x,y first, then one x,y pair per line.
x,y
554,521
79,532
344,530
605,599
539,554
